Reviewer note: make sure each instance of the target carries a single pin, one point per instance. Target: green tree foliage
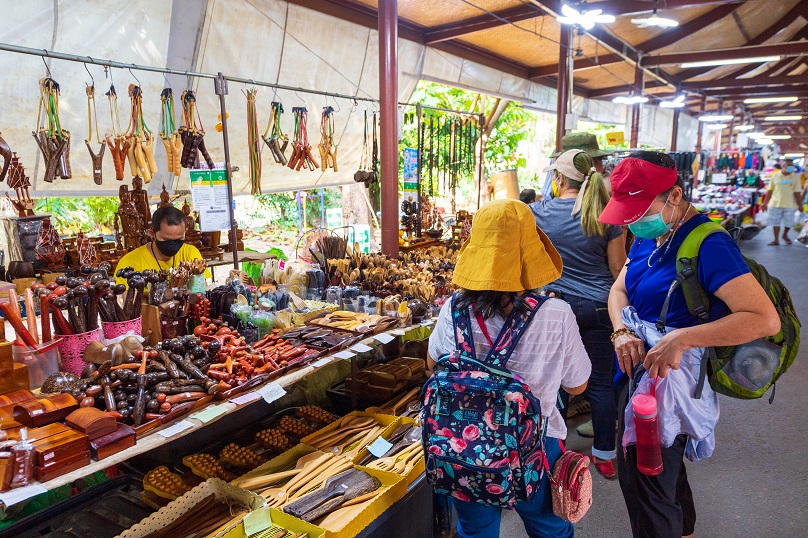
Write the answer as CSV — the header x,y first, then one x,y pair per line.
x,y
280,209
93,215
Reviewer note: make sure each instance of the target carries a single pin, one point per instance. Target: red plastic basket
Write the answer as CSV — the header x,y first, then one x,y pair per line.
x,y
72,349
114,329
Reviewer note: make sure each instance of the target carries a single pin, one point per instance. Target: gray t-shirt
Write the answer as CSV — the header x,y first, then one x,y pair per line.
x,y
586,269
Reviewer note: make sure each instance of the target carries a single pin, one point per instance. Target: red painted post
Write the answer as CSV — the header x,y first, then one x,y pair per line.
x,y
565,42
675,133
635,110
388,96
701,124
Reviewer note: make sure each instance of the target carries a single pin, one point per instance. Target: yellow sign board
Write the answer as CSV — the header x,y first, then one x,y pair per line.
x,y
616,139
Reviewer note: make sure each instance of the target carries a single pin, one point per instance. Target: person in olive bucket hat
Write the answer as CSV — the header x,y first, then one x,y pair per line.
x,y
500,267
588,143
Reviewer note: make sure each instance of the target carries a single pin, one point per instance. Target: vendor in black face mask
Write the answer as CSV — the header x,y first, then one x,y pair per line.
x,y
167,248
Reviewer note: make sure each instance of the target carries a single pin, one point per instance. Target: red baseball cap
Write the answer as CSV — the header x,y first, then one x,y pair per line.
x,y
635,184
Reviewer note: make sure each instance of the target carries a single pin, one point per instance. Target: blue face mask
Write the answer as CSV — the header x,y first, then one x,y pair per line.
x,y
651,226
789,169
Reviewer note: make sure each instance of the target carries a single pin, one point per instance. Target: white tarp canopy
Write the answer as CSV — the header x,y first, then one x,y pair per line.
x,y
265,40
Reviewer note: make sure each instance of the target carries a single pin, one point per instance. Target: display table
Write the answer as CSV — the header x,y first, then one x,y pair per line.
x,y
193,430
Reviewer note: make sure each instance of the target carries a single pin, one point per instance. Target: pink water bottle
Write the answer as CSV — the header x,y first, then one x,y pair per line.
x,y
649,452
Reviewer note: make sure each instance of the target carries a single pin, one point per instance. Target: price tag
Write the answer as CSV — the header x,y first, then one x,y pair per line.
x,y
179,427
321,362
245,398
345,354
384,338
210,413
361,348
17,495
257,521
379,447
271,392
398,332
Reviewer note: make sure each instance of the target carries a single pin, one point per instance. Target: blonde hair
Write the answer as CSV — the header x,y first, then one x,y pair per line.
x,y
595,198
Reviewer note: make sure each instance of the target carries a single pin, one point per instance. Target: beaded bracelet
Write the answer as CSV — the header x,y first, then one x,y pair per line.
x,y
620,332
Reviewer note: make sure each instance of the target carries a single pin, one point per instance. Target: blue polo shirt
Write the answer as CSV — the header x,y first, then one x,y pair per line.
x,y
720,261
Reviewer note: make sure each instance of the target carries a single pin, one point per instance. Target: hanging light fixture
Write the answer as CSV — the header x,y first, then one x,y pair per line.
x,y
756,100
782,118
655,20
715,117
733,61
630,99
716,126
747,127
793,155
779,137
586,18
679,102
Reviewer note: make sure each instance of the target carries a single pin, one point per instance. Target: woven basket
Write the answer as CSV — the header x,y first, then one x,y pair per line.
x,y
72,348
114,329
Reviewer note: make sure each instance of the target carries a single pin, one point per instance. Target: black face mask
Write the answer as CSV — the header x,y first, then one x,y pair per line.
x,y
169,247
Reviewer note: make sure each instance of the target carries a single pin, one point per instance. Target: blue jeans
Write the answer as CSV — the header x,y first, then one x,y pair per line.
x,y
479,521
596,328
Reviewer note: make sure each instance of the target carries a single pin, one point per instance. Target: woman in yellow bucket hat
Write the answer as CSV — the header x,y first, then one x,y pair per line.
x,y
506,256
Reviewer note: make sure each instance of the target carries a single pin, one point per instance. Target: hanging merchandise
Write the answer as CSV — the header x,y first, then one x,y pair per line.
x,y
19,181
192,136
301,150
168,133
117,143
328,149
54,142
276,141
5,152
141,139
92,115
374,178
363,174
254,143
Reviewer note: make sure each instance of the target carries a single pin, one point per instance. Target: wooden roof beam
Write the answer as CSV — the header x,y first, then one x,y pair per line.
x,y
486,21
791,48
745,82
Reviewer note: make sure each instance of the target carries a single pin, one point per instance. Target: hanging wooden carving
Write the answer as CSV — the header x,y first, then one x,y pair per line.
x,y
92,114
327,146
53,141
86,250
116,142
19,181
169,135
141,140
192,134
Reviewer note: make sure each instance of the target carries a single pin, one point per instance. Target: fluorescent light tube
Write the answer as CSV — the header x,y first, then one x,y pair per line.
x,y
782,118
734,61
754,100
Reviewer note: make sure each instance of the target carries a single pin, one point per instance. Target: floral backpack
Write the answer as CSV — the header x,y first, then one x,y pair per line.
x,y
483,432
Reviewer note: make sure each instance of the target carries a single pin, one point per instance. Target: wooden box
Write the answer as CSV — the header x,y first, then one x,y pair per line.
x,y
60,447
58,468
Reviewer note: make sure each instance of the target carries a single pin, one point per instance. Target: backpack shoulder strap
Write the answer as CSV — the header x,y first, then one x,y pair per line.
x,y
461,322
513,330
687,259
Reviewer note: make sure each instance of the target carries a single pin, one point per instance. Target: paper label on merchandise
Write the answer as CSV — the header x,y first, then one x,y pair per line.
x,y
397,332
379,447
361,348
321,362
17,495
384,338
345,354
245,398
257,521
179,427
271,392
427,323
210,413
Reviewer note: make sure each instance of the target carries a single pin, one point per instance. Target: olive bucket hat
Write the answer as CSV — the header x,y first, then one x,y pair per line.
x,y
506,251
584,141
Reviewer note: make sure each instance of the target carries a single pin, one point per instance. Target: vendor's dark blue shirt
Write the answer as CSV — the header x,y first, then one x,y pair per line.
x,y
720,261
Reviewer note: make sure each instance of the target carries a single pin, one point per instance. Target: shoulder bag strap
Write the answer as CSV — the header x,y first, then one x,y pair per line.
x,y
512,331
461,319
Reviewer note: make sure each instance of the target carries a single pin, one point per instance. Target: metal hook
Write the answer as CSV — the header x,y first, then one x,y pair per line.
x,y
336,103
298,96
133,76
46,66
91,75
167,82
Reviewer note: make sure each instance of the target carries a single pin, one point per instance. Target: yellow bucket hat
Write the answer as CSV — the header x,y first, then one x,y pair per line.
x,y
506,251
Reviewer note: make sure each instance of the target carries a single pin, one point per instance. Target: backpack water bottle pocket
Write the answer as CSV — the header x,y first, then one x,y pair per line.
x,y
754,364
472,483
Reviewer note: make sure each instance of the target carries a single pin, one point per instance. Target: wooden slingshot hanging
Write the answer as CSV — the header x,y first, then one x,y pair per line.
x,y
192,135
273,137
302,156
328,149
116,142
53,142
92,114
141,139
168,133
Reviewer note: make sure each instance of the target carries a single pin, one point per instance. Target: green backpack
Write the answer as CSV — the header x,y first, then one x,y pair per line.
x,y
748,370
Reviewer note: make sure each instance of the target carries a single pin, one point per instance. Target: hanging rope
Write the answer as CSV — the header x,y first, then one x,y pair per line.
x,y
253,142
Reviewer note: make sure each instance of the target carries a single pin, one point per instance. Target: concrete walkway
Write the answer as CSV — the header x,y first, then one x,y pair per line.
x,y
756,483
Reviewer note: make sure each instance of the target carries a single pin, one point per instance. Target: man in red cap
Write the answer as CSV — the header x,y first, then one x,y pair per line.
x,y
647,196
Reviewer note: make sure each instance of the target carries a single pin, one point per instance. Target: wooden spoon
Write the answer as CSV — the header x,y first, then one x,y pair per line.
x,y
334,437
279,494
366,440
269,479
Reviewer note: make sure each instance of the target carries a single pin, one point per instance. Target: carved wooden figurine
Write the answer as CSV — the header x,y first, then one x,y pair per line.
x,y
49,246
